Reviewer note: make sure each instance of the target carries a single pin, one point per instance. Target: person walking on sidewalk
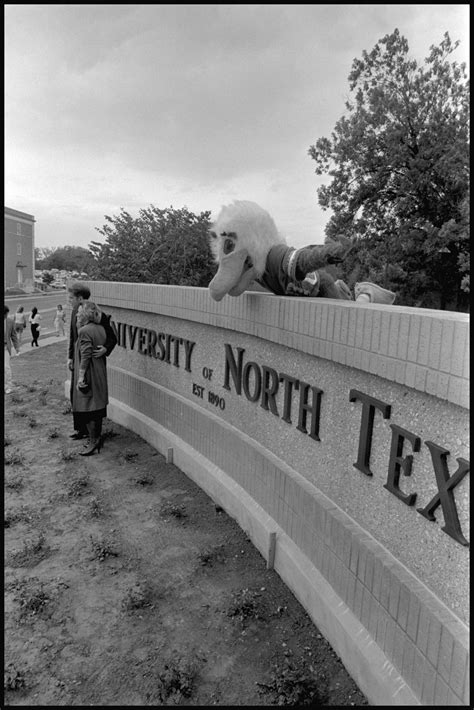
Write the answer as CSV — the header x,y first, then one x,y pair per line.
x,y
78,294
90,391
59,320
10,338
20,323
35,321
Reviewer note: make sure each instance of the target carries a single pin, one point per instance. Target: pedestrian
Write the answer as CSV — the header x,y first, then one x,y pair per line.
x,y
90,390
78,294
10,338
20,323
35,321
59,320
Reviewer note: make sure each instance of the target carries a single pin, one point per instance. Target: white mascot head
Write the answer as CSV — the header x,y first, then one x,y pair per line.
x,y
240,240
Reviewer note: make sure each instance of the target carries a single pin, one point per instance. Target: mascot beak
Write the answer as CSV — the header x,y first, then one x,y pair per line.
x,y
247,277
233,275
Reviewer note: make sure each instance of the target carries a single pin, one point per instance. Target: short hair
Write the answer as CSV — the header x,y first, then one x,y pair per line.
x,y
79,289
88,313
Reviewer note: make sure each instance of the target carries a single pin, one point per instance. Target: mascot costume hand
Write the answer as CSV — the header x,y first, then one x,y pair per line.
x,y
248,248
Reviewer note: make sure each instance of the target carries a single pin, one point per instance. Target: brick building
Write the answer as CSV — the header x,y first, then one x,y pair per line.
x,y
19,249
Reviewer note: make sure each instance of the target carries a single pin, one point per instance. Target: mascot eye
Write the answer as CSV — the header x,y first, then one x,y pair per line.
x,y
228,246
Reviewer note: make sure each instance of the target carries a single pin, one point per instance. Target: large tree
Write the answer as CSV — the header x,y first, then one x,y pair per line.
x,y
399,163
71,258
41,255
163,246
68,258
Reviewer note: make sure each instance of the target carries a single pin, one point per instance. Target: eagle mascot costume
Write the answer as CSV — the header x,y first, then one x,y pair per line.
x,y
248,248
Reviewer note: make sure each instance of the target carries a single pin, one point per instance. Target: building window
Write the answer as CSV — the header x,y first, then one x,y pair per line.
x,y
18,228
18,249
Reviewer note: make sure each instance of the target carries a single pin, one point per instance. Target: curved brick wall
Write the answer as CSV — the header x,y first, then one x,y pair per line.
x,y
336,435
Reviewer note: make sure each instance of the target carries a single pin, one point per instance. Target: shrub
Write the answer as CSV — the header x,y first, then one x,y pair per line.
x,y
102,548
292,684
176,681
173,510
14,458
32,552
138,597
246,604
13,678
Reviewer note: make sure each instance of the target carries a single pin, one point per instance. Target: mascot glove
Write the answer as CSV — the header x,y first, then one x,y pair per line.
x,y
338,250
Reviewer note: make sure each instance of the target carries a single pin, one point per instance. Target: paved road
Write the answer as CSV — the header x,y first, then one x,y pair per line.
x,y
46,305
42,302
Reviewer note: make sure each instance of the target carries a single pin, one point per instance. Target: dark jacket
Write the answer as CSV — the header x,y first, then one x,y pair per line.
x,y
110,337
277,279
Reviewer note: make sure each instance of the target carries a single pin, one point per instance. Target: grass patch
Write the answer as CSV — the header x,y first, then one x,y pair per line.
x,y
32,552
21,514
35,599
102,548
144,478
53,433
212,556
32,598
129,455
176,681
78,487
20,413
109,433
14,457
32,423
16,398
247,604
13,679
140,596
68,455
293,683
96,508
173,510
14,484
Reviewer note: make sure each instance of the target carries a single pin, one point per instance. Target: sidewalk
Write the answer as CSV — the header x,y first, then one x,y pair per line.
x,y
48,340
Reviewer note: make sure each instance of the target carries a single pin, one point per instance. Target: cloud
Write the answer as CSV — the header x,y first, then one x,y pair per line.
x,y
126,105
212,95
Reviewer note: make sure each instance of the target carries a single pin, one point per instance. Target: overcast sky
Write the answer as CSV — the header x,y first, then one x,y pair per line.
x,y
111,106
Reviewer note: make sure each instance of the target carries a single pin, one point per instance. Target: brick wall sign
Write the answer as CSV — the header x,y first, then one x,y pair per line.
x,y
337,436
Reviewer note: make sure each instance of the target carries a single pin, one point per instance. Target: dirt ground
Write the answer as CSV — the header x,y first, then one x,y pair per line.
x,y
126,585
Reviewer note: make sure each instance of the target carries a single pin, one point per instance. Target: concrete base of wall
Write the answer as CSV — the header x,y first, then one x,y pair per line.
x,y
377,678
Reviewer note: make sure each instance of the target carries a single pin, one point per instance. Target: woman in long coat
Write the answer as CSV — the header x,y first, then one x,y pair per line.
x,y
90,390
